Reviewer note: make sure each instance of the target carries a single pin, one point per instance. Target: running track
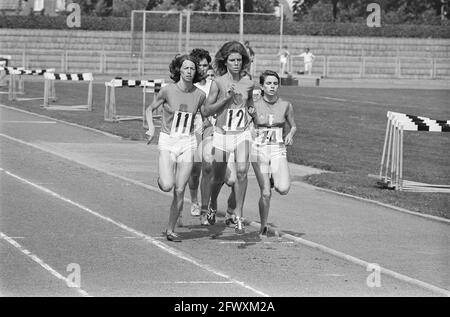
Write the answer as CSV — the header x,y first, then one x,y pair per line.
x,y
75,196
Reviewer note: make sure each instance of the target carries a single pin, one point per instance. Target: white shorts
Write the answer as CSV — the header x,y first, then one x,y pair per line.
x,y
229,142
268,153
308,67
177,145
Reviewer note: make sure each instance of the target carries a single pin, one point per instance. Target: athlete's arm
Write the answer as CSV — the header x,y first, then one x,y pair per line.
x,y
159,100
213,105
290,119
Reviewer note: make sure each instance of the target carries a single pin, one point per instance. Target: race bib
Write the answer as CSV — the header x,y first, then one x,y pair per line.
x,y
266,136
235,119
181,124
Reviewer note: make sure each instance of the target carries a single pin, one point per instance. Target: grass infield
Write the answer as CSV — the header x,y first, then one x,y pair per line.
x,y
340,130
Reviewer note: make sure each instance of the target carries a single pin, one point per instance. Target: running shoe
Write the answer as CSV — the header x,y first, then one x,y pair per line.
x,y
239,226
172,236
264,233
230,218
203,218
195,210
211,216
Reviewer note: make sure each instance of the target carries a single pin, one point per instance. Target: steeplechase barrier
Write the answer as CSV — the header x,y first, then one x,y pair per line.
x,y
50,81
148,86
391,166
4,59
16,82
5,80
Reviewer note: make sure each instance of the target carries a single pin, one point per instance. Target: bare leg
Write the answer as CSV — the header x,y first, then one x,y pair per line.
x,y
262,176
166,179
194,181
207,172
242,165
183,172
218,176
280,174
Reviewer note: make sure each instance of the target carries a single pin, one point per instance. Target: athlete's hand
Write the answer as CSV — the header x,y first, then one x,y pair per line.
x,y
251,111
289,139
149,134
231,90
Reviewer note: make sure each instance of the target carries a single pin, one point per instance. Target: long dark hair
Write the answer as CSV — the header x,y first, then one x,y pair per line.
x,y
176,64
200,54
220,60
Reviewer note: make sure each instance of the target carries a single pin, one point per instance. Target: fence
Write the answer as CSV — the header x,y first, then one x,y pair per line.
x,y
331,66
376,67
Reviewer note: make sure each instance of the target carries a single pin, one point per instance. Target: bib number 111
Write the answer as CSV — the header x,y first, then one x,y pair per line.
x,y
181,124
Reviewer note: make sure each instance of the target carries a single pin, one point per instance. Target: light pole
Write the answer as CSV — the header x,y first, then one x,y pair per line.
x,y
241,23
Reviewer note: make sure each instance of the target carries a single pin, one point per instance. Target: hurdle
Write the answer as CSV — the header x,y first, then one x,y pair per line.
x,y
5,71
148,86
50,81
16,82
391,166
4,59
151,87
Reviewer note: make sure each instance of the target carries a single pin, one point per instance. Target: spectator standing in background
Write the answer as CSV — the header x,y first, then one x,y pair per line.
x,y
308,59
284,57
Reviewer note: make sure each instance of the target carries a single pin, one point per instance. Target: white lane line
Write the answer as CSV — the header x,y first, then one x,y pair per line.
x,y
346,100
254,224
194,282
179,254
6,121
61,121
41,263
366,264
258,242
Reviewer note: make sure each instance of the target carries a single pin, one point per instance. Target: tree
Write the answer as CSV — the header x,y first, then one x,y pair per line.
x,y
222,6
248,5
152,4
104,8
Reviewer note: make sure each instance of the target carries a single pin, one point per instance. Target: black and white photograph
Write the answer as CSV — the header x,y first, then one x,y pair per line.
x,y
219,156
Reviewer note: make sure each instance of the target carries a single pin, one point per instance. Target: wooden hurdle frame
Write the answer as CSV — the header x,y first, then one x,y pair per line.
x,y
391,166
16,82
49,83
148,86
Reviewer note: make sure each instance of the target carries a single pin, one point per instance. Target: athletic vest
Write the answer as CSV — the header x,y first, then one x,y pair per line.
x,y
179,109
270,120
233,115
270,115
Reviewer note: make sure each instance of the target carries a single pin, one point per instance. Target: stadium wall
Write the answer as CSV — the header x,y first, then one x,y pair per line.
x,y
106,52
